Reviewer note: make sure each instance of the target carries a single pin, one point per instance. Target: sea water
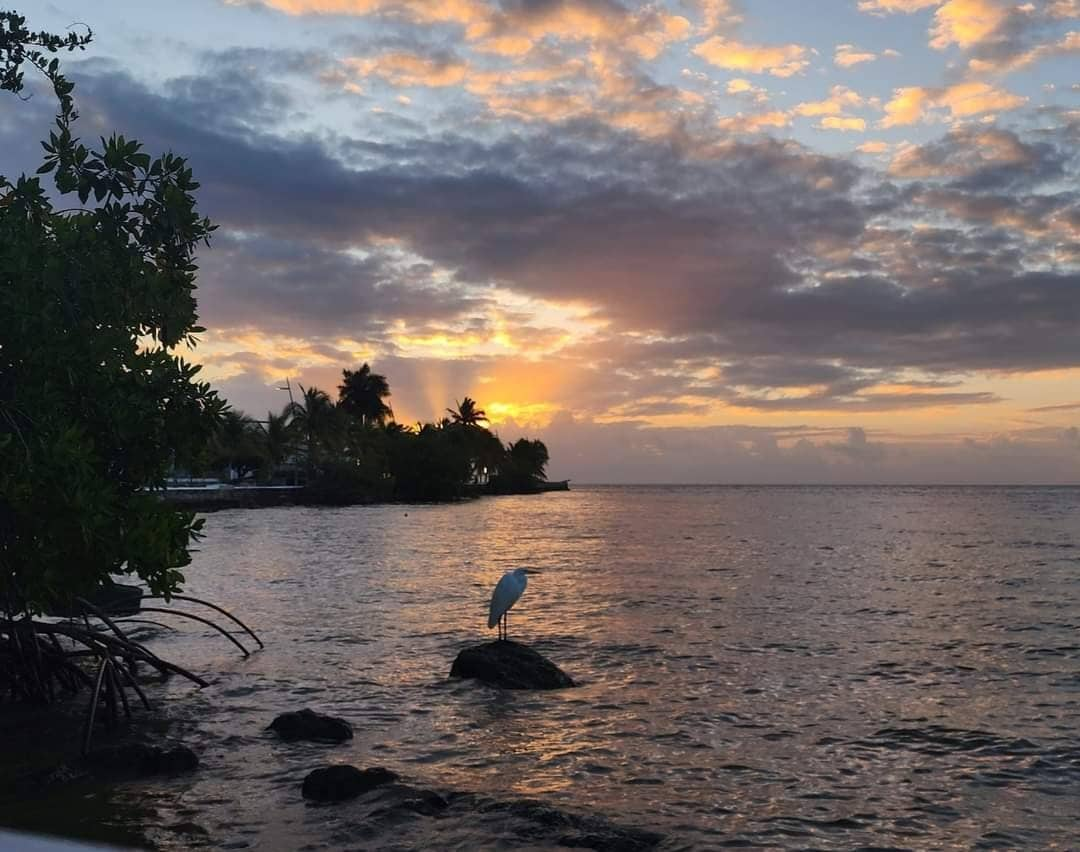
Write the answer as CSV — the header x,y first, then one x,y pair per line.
x,y
769,667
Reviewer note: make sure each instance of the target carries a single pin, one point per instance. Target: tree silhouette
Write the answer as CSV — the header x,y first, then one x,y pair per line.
x,y
531,457
278,439
318,423
523,467
361,395
467,413
237,444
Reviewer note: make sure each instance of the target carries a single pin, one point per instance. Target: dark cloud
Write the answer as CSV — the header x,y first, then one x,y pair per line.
x,y
774,266
983,159
299,288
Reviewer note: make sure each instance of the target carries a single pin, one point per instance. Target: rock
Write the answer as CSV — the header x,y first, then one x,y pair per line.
x,y
307,725
424,802
510,665
341,782
537,823
141,759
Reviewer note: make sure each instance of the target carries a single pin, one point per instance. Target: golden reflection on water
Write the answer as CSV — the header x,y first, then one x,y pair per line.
x,y
737,650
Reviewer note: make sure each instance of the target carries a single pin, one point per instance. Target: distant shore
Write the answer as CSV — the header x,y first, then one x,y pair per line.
x,y
210,499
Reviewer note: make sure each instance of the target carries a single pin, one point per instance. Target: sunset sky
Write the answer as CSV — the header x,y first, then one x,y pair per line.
x,y
682,241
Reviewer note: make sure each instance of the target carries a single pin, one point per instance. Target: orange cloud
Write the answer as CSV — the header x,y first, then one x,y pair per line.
x,y
784,60
875,146
716,13
513,33
838,122
890,6
755,123
741,87
966,22
847,55
840,98
473,14
410,69
912,104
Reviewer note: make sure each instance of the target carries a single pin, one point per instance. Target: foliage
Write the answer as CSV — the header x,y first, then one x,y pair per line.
x,y
349,457
523,467
95,406
361,394
239,445
276,441
430,464
467,414
320,426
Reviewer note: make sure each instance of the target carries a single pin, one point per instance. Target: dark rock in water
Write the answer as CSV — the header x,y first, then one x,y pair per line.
x,y
141,759
308,725
510,665
536,822
381,804
338,783
425,802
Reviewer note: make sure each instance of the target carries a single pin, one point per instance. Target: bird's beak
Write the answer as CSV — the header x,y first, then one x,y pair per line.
x,y
533,571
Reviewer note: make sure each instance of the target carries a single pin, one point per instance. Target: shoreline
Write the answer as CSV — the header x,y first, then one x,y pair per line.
x,y
202,499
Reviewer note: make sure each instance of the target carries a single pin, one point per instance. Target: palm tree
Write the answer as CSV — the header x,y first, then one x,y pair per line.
x,y
488,456
236,444
277,438
317,420
467,413
529,459
361,394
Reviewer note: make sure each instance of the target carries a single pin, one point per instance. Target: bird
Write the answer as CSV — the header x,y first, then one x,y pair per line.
x,y
510,587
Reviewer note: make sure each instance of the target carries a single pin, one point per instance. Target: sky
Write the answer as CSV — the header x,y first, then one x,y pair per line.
x,y
744,241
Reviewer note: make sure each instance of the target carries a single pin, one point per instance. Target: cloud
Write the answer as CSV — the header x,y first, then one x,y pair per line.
x,y
966,23
784,60
409,69
980,157
875,146
891,6
633,452
840,99
671,266
913,104
514,29
759,122
1000,36
848,55
741,87
845,123
717,14
1015,59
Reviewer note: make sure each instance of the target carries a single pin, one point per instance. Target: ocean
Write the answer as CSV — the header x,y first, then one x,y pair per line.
x,y
764,667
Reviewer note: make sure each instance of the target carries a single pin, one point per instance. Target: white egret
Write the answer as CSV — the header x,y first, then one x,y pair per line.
x,y
510,587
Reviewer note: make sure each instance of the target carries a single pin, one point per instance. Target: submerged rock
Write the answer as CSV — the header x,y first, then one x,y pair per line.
x,y
427,819
141,759
510,665
341,782
537,822
308,725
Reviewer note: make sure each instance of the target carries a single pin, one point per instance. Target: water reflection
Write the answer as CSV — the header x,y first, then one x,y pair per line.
x,y
759,664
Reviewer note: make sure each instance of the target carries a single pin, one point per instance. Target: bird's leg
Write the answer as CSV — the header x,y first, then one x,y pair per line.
x,y
506,634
